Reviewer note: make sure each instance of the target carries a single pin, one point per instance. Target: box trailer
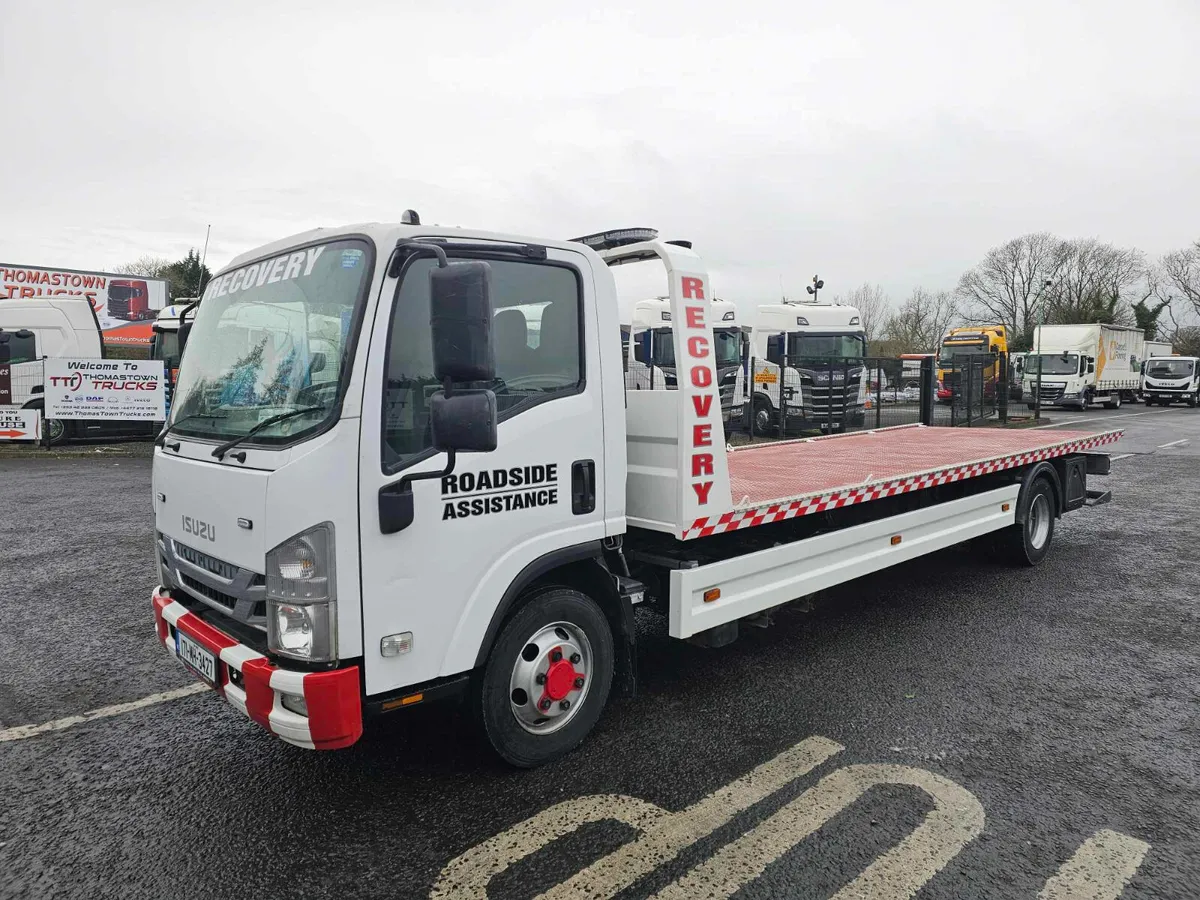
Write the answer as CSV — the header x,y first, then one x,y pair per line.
x,y
445,517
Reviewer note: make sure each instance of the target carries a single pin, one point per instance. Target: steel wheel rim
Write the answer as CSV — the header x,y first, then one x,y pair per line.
x,y
1039,521
55,429
762,419
550,678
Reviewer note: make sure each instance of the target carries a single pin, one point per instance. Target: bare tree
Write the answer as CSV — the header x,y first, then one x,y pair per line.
x,y
1092,281
1004,288
872,304
1184,333
150,266
922,320
1181,274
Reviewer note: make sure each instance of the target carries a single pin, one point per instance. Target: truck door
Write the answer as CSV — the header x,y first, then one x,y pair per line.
x,y
537,495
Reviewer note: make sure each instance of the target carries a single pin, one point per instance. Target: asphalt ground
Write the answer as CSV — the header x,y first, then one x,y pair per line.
x,y
1014,733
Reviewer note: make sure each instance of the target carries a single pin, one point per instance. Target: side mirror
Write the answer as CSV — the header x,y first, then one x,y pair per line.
x,y
317,363
460,298
1143,369
1091,365
464,422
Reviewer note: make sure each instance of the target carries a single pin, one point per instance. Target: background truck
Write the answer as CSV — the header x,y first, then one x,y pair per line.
x,y
124,304
1171,379
809,358
129,299
444,517
1085,364
984,347
33,329
650,357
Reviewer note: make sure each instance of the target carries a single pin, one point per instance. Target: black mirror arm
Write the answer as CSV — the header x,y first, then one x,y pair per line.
x,y
396,510
404,249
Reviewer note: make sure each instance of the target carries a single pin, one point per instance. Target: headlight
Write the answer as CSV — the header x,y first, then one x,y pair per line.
x,y
301,596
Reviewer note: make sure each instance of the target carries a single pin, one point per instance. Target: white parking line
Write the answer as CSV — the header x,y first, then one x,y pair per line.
x,y
1086,422
1173,444
1121,456
1099,870
20,732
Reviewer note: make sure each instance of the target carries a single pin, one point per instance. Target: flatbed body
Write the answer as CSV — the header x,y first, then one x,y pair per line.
x,y
772,482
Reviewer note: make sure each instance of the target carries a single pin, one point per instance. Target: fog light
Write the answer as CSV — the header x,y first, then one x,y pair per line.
x,y
395,644
293,703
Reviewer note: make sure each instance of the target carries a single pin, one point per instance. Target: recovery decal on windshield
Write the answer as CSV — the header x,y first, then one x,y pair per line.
x,y
466,494
282,268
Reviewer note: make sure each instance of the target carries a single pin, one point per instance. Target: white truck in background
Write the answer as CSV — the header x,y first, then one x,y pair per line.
x,y
1157,348
34,328
1171,379
650,356
1082,365
809,358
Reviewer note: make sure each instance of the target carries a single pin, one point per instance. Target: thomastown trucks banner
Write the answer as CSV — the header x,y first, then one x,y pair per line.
x,y
125,305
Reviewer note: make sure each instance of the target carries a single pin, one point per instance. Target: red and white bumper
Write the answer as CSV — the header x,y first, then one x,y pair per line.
x,y
253,685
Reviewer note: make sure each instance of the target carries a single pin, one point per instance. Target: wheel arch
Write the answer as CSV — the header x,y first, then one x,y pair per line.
x,y
581,567
1044,469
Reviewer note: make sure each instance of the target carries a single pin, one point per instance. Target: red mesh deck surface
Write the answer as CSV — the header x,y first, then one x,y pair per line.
x,y
771,482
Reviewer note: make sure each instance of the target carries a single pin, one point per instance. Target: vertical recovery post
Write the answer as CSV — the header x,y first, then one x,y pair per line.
x,y
703,490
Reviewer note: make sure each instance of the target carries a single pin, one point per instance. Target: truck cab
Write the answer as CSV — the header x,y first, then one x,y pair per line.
x,y
1171,379
34,328
809,367
129,299
977,345
650,355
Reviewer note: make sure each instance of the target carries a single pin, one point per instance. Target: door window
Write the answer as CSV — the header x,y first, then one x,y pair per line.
x,y
536,332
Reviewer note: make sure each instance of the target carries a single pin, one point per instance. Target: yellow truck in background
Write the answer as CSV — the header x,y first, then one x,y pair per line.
x,y
971,340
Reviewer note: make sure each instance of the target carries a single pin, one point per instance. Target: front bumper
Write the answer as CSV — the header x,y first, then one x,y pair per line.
x,y
254,686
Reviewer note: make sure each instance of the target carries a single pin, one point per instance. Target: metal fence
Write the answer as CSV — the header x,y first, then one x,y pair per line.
x,y
975,388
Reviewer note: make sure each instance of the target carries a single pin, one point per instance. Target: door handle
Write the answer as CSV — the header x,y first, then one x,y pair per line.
x,y
583,486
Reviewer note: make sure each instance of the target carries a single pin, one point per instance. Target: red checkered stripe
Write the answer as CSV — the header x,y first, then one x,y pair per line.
x,y
778,512
334,705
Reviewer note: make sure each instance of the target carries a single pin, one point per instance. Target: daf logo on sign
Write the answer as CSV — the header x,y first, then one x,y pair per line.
x,y
199,529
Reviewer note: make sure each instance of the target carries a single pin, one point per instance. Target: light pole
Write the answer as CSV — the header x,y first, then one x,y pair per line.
x,y
814,287
1037,397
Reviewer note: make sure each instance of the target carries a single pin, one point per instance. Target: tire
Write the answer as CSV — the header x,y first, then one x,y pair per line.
x,y
1114,403
1193,401
516,730
1027,543
765,418
1149,402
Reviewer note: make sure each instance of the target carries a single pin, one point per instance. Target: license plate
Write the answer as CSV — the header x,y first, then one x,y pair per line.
x,y
195,658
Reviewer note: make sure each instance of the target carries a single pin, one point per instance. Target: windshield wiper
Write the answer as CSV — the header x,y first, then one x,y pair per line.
x,y
162,435
220,451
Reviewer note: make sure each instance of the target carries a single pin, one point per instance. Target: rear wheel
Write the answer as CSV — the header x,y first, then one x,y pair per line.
x,y
1026,543
547,678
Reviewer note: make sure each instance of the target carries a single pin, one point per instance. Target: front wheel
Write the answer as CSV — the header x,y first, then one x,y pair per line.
x,y
1194,400
547,678
1027,543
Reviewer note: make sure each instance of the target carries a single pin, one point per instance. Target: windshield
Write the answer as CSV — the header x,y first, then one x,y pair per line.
x,y
729,346
1053,364
164,345
121,292
271,337
808,347
1169,368
964,348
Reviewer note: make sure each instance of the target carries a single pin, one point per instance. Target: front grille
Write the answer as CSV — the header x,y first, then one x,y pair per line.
x,y
204,561
225,600
197,587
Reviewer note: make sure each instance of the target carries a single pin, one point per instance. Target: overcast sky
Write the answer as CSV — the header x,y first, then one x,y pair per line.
x,y
867,140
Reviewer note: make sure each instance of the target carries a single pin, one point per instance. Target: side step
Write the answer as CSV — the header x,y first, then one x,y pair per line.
x,y
1096,498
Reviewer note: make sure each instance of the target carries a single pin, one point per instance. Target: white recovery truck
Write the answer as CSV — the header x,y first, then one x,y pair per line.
x,y
650,358
1171,379
445,517
1082,365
